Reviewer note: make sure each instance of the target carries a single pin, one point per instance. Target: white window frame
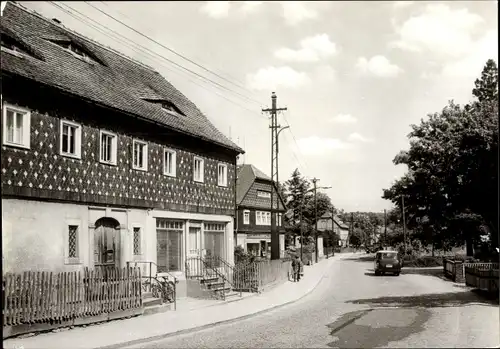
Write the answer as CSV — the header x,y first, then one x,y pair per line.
x,y
141,245
262,218
264,194
78,258
144,154
202,165
78,139
114,147
279,219
174,162
26,130
222,182
246,216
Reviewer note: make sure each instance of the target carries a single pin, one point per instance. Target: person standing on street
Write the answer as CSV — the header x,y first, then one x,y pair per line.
x,y
296,266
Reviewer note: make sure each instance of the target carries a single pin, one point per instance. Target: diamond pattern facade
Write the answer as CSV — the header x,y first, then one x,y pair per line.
x,y
42,172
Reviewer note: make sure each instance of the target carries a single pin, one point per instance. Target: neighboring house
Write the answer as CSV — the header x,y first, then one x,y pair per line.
x,y
339,227
253,217
103,160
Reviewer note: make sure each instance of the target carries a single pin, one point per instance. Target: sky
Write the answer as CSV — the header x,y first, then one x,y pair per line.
x,y
353,75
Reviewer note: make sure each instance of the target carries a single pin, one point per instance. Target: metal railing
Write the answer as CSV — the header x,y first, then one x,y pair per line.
x,y
163,287
210,267
254,276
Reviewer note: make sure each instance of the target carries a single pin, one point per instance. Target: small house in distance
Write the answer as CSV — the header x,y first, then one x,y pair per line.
x,y
253,216
325,223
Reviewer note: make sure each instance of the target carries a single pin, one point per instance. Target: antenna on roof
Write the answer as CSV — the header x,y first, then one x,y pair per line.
x,y
230,133
56,20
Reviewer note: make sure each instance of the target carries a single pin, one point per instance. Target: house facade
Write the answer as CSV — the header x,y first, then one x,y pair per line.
x,y
103,161
339,227
253,217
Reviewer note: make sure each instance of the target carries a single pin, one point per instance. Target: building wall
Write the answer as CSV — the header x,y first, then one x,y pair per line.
x,y
253,227
34,235
42,172
252,200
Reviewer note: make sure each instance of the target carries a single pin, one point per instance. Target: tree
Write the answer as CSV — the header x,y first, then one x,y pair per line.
x,y
487,86
452,178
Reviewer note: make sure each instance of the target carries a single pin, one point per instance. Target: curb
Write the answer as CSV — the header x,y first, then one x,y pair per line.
x,y
208,326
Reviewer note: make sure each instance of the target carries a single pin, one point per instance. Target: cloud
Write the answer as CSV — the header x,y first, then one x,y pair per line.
x,y
378,66
472,64
216,9
315,145
343,119
312,49
271,77
439,29
250,6
296,12
325,73
356,137
401,4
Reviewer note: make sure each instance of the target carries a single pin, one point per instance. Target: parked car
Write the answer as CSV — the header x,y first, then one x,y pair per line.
x,y
387,262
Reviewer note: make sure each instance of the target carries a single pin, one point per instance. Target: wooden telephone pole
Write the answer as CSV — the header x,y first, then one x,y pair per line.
x,y
275,128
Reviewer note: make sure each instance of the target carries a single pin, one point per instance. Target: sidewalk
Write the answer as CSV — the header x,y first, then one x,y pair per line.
x,y
132,331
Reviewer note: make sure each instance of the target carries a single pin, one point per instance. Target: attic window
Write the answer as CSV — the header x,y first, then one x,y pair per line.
x,y
75,50
12,46
167,106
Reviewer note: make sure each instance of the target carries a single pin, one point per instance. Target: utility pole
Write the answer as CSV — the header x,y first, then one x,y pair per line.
x,y
351,228
385,228
275,240
301,230
333,231
404,221
315,218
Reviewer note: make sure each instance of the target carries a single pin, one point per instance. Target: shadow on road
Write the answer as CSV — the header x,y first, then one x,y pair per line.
x,y
432,300
431,271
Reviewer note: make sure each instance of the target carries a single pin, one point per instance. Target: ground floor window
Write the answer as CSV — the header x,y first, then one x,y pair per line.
x,y
169,244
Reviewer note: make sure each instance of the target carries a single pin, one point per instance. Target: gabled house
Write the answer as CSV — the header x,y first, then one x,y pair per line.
x,y
253,216
327,223
104,162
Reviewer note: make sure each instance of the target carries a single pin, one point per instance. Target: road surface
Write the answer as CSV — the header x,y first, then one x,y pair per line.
x,y
353,308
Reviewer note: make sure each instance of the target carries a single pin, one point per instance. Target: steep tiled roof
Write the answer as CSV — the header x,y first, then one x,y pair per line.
x,y
113,80
247,174
328,215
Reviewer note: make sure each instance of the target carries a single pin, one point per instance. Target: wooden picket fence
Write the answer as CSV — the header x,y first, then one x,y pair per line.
x,y
40,297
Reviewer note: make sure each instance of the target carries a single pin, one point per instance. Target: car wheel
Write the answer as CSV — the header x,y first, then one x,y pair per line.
x,y
397,274
377,273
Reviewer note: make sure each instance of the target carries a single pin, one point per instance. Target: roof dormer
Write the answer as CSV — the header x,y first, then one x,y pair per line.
x,y
166,106
16,47
77,50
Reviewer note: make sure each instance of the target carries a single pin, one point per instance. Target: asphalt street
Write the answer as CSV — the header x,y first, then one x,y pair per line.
x,y
353,308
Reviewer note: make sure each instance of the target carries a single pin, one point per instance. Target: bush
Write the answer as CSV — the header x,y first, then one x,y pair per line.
x,y
423,262
242,257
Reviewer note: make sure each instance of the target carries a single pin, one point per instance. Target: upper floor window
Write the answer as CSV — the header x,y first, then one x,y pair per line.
x,y
246,217
169,163
264,194
279,220
198,169
108,147
140,155
71,139
16,124
222,175
263,218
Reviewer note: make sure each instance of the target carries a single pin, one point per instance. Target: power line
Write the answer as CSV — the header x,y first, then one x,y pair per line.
x,y
165,47
190,60
133,45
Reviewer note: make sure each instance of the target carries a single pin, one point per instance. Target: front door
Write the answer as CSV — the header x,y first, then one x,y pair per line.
x,y
194,251
107,243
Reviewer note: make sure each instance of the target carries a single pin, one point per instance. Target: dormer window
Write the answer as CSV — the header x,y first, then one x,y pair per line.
x,y
166,106
12,46
76,50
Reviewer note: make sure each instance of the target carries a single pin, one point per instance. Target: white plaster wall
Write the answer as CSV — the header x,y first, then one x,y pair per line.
x,y
34,235
320,246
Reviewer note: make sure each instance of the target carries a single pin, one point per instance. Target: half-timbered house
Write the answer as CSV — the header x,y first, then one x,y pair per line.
x,y
253,217
103,160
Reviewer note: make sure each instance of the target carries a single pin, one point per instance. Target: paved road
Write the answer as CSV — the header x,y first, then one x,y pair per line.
x,y
351,308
